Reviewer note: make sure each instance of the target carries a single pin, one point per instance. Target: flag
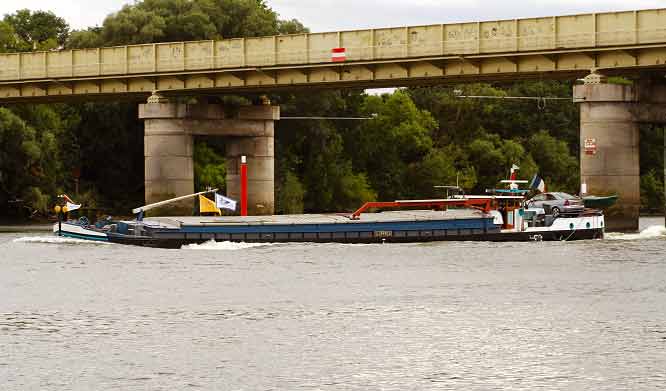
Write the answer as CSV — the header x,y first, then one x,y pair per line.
x,y
72,206
514,168
207,206
538,183
223,202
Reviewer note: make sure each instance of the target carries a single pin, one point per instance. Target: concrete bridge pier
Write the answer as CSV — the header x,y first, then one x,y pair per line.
x,y
609,149
168,162
168,146
610,116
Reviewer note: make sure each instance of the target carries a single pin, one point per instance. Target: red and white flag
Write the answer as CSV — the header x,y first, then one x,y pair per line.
x,y
514,168
339,55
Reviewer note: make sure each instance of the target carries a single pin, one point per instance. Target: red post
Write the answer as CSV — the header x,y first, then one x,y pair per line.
x,y
243,174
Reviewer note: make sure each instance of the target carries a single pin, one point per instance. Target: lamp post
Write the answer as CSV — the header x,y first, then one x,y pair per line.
x,y
57,210
61,212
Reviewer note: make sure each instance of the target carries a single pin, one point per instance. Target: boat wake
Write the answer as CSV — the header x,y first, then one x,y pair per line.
x,y
652,232
226,246
58,240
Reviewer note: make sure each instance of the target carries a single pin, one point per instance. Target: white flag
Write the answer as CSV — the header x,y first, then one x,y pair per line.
x,y
223,202
71,207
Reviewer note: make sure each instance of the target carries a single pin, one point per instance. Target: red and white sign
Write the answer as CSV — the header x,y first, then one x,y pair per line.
x,y
339,55
590,146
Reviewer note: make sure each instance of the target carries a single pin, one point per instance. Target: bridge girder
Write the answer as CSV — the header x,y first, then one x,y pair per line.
x,y
426,71
623,43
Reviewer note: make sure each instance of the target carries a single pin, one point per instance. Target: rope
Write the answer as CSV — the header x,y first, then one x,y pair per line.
x,y
570,235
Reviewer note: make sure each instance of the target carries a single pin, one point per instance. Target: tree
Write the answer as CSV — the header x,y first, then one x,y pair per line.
x,y
38,30
332,183
290,195
88,38
151,21
110,155
209,168
557,166
291,26
28,164
652,167
437,168
652,192
398,137
313,159
8,38
493,157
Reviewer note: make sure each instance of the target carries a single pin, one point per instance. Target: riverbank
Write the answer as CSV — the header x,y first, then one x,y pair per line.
x,y
25,228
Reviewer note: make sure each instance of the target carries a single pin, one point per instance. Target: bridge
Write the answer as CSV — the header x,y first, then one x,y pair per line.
x,y
549,47
631,44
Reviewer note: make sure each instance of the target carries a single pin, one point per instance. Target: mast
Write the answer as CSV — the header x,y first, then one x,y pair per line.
x,y
148,207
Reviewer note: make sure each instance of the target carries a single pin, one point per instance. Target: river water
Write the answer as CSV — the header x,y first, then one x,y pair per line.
x,y
580,315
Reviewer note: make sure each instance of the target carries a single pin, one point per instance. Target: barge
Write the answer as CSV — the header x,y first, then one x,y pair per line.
x,y
494,218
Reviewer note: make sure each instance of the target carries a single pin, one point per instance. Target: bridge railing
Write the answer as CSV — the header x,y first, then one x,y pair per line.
x,y
432,41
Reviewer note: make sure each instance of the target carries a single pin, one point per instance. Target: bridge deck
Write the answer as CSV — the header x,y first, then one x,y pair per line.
x,y
550,46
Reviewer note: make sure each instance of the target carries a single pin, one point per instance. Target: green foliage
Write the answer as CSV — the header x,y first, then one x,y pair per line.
x,y
29,163
318,153
8,39
291,26
396,139
462,120
290,195
180,20
652,191
105,141
209,168
559,168
493,157
38,30
652,168
36,200
437,168
88,38
332,183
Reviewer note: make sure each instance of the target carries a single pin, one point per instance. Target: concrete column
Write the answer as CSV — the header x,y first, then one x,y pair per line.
x,y
607,118
261,168
169,168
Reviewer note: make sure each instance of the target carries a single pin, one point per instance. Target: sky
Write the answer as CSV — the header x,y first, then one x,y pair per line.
x,y
331,15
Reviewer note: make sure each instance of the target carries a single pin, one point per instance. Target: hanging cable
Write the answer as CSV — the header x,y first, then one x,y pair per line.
x,y
537,98
330,118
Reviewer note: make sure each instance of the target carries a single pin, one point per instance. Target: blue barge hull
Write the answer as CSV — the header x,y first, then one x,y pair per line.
x,y
387,227
373,228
